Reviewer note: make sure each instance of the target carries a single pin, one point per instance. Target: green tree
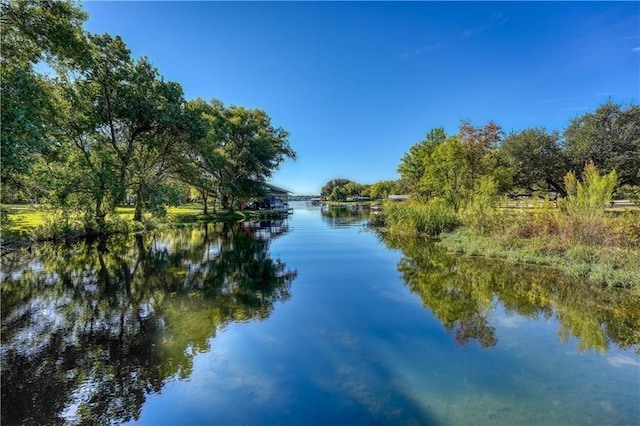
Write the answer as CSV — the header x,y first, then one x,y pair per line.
x,y
249,150
352,189
447,173
610,138
382,189
32,32
328,188
204,158
478,147
413,163
535,159
128,128
337,194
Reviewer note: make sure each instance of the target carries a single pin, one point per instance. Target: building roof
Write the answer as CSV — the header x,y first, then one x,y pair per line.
x,y
274,188
398,197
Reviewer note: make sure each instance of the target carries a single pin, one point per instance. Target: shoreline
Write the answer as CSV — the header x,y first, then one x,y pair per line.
x,y
16,239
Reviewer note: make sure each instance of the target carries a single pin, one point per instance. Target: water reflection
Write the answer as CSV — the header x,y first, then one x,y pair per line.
x,y
345,215
89,330
462,293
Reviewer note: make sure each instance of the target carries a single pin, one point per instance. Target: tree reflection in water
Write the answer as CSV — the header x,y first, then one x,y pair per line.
x,y
345,215
461,292
89,330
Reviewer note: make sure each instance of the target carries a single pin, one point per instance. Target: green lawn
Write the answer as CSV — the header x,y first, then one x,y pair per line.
x,y
23,219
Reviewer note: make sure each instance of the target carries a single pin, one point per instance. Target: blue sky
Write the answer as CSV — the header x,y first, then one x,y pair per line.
x,y
357,83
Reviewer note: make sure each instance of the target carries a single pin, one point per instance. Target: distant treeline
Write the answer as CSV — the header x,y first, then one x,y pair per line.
x,y
534,160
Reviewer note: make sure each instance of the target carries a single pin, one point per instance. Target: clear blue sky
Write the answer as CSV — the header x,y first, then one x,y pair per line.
x,y
356,84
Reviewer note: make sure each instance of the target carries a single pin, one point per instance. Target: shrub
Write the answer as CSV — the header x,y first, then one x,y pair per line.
x,y
584,218
430,218
58,225
588,198
481,214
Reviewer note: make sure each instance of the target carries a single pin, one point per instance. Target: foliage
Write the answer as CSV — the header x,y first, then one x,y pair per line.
x,y
245,149
478,148
584,218
328,187
340,189
420,218
413,163
588,199
46,32
481,214
446,175
103,129
536,160
382,189
610,138
128,128
337,194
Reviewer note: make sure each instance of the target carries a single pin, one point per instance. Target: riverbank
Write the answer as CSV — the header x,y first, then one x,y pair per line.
x,y
602,249
597,265
27,224
600,266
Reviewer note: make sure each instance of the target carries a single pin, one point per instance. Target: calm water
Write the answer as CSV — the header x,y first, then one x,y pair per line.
x,y
313,320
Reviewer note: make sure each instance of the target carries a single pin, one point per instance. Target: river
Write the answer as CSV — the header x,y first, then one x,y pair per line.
x,y
310,320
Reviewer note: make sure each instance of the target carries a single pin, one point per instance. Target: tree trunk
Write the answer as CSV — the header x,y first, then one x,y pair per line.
x,y
559,189
204,198
100,215
137,215
123,184
224,200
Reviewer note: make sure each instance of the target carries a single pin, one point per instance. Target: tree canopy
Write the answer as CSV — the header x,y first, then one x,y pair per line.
x,y
610,138
456,168
102,129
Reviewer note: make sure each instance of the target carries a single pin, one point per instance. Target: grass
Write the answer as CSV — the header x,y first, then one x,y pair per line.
x,y
578,236
603,252
22,220
28,222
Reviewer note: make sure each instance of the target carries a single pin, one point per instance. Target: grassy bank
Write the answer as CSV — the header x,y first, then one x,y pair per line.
x,y
598,247
600,265
28,223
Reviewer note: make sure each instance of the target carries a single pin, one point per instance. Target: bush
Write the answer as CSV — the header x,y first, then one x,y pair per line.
x,y
59,225
584,220
481,214
413,217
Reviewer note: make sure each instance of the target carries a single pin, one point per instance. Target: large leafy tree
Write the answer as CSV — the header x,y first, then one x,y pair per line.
x,y
382,189
610,138
126,129
447,175
335,189
454,168
247,149
203,159
413,163
536,160
478,146
33,32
